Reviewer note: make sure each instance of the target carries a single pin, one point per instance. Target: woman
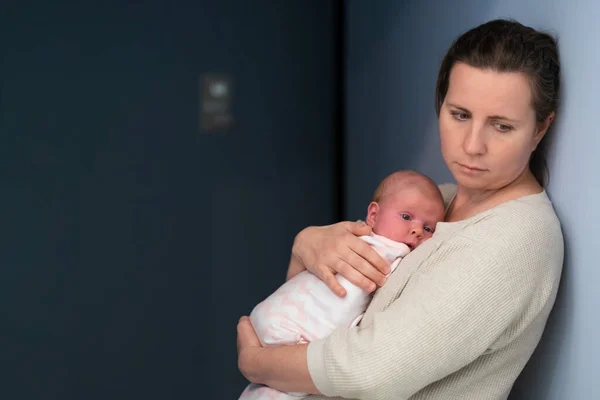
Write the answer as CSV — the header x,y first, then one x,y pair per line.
x,y
463,315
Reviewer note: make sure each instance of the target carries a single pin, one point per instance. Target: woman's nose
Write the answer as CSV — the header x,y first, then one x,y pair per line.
x,y
474,143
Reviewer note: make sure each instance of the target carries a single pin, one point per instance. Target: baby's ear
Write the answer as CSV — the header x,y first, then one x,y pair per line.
x,y
372,212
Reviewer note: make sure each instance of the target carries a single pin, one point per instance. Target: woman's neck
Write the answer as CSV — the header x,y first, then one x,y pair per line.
x,y
469,202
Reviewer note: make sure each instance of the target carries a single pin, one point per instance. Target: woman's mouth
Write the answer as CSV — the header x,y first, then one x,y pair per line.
x,y
471,169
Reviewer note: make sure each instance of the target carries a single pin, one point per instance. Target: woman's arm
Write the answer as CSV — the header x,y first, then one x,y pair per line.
x,y
283,368
449,318
329,250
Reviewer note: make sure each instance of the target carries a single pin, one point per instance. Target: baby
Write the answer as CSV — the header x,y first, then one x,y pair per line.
x,y
403,214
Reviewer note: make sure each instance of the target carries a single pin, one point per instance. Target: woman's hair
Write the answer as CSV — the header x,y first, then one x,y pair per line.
x,y
508,46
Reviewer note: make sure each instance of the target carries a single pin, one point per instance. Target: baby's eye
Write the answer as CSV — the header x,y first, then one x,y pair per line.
x,y
428,229
406,217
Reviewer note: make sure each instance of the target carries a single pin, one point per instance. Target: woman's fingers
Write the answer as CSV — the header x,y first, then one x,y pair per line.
x,y
248,344
328,277
367,272
372,258
246,334
358,228
348,270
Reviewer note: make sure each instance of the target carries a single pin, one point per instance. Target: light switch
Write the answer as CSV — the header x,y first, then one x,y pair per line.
x,y
216,100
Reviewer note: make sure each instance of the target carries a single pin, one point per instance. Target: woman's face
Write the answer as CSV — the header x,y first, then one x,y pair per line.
x,y
488,127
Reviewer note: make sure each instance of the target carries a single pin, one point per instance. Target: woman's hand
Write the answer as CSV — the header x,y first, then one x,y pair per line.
x,y
248,346
284,368
336,249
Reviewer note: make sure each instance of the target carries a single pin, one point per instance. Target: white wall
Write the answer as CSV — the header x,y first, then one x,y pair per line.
x,y
394,52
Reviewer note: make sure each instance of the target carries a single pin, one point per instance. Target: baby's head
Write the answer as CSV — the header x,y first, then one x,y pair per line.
x,y
406,208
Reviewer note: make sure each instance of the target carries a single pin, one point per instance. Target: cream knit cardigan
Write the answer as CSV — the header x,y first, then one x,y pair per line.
x,y
459,318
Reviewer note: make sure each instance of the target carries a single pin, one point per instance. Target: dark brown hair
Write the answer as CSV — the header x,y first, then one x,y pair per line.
x,y
508,46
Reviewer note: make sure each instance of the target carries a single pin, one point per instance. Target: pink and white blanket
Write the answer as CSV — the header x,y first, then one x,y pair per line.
x,y
304,309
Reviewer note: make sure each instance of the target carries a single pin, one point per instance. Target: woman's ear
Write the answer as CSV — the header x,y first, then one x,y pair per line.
x,y
542,129
372,212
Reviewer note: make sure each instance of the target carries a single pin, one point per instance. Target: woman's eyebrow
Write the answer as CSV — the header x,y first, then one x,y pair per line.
x,y
490,117
503,118
458,107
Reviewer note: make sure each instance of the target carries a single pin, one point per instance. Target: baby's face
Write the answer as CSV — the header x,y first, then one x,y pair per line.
x,y
407,217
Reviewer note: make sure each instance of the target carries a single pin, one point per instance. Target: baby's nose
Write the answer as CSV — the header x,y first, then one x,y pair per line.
x,y
417,230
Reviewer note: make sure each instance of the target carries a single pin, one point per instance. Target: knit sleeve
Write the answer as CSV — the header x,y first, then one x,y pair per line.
x,y
439,324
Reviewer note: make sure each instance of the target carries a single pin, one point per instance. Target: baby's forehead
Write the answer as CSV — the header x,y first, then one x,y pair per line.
x,y
427,203
423,191
410,185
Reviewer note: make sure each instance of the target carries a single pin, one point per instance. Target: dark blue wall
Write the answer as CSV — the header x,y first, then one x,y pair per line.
x,y
132,241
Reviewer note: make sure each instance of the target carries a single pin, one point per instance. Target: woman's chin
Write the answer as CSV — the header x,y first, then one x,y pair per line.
x,y
471,181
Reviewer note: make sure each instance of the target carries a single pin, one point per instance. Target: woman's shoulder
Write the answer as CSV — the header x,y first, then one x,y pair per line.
x,y
530,215
527,213
526,228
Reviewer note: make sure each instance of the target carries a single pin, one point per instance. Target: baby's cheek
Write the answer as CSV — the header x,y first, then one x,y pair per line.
x,y
390,227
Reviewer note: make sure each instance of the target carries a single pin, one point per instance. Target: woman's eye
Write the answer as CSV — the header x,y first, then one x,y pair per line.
x,y
460,116
503,128
406,217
